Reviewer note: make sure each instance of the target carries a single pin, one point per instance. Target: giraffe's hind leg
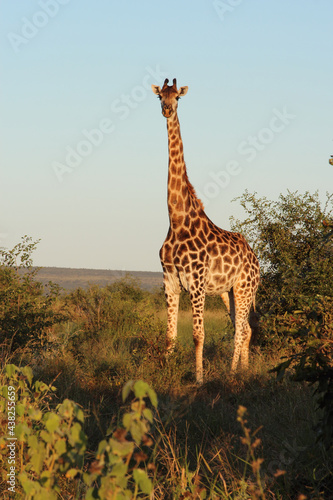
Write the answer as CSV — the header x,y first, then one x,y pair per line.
x,y
228,299
243,301
172,292
225,298
242,342
247,334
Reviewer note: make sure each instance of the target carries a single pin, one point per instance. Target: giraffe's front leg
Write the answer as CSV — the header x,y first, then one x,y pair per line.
x,y
172,298
198,303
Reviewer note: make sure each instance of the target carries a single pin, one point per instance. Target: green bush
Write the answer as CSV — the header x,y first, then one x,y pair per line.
x,y
117,306
293,241
117,472
49,445
26,306
313,333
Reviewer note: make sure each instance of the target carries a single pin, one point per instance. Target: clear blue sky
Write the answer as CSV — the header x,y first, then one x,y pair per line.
x,y
84,144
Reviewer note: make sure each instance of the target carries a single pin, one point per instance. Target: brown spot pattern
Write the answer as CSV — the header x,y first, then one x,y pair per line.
x,y
207,258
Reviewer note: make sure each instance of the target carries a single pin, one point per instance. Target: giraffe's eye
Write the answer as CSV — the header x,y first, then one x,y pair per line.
x,y
177,98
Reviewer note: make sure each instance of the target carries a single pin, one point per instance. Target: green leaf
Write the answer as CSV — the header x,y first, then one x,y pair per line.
x,y
102,447
60,446
152,396
20,409
127,389
123,448
28,486
127,421
37,454
27,372
10,370
33,441
143,481
66,408
79,415
140,389
46,436
52,421
114,488
137,430
90,495
147,413
22,431
76,433
41,386
47,478
119,470
71,473
35,413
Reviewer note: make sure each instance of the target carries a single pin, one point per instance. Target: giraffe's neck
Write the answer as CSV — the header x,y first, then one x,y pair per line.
x,y
181,195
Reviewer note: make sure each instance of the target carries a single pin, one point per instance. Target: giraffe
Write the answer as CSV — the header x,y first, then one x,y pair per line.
x,y
197,255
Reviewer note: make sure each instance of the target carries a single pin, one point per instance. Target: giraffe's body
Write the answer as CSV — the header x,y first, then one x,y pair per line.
x,y
199,256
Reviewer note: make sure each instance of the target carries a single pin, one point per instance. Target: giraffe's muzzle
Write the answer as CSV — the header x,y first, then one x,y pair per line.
x,y
167,111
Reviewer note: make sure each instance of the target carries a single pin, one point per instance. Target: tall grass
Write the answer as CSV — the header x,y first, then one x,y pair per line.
x,y
200,448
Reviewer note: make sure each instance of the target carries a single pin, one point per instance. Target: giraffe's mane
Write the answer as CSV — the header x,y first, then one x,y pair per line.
x,y
192,192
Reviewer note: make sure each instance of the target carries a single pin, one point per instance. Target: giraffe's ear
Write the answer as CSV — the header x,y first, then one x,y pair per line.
x,y
182,91
156,89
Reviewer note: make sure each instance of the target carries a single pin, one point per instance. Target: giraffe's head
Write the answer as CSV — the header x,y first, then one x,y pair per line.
x,y
169,96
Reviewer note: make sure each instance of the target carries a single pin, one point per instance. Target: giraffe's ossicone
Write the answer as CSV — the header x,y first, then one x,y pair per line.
x,y
199,256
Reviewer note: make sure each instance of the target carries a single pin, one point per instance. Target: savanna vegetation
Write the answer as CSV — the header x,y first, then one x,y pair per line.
x,y
101,413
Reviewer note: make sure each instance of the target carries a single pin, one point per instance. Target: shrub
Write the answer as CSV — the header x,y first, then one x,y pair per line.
x,y
313,363
49,445
116,472
294,244
115,306
26,306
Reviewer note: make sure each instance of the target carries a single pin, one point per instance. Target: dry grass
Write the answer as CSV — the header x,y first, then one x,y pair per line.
x,y
198,438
